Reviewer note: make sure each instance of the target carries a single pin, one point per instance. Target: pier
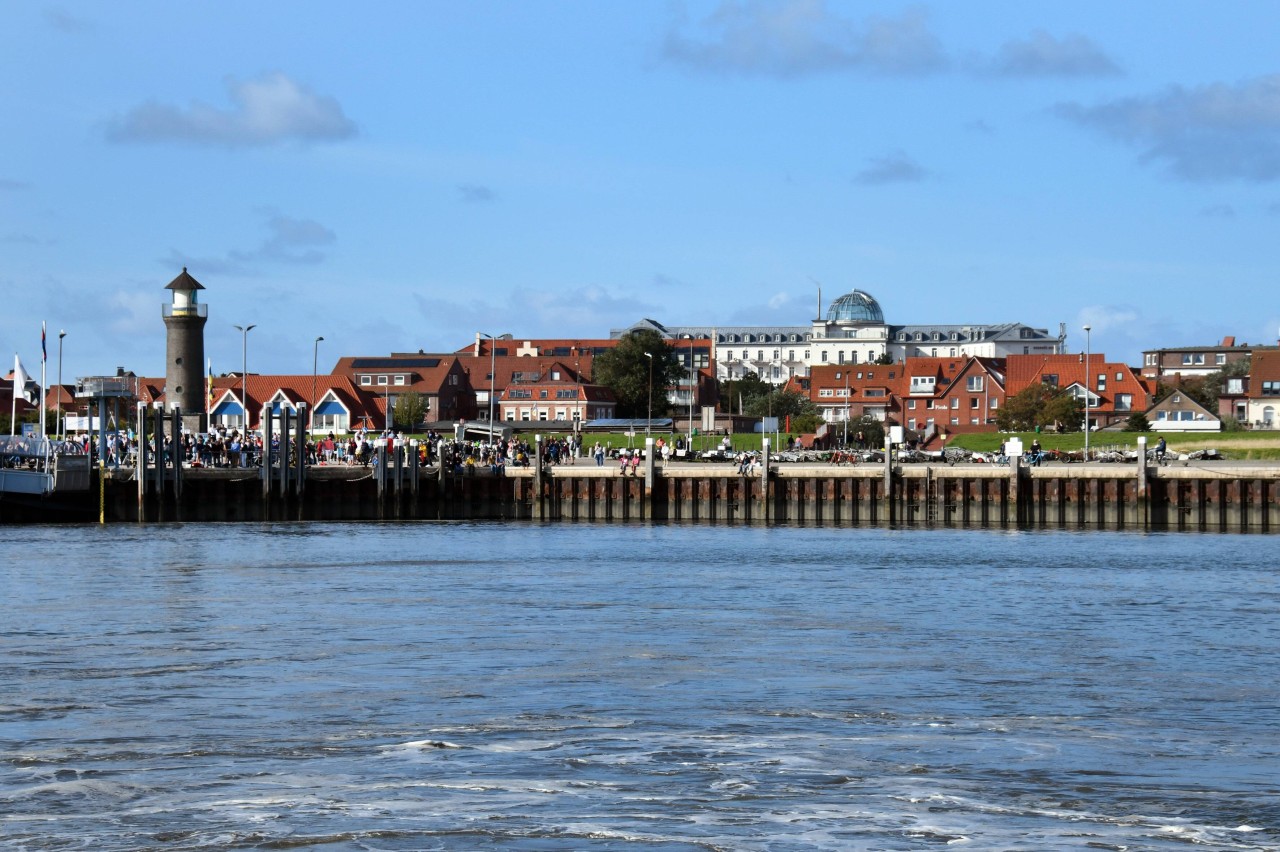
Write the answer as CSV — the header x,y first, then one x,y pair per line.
x,y
1211,496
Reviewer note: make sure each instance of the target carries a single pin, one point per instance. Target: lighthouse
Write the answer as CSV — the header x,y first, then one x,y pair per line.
x,y
184,319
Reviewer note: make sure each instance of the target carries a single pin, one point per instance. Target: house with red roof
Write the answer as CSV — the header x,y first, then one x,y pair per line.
x,y
1254,400
1114,390
440,379
556,394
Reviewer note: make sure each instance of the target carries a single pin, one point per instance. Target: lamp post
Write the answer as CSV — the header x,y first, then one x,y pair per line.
x,y
493,356
244,370
62,434
649,422
315,363
1088,345
693,389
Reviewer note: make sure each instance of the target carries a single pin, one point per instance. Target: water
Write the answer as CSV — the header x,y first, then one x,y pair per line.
x,y
490,686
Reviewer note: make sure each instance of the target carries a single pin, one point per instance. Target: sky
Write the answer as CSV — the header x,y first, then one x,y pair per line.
x,y
398,176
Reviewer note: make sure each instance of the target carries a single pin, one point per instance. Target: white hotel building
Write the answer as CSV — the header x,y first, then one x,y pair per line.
x,y
853,332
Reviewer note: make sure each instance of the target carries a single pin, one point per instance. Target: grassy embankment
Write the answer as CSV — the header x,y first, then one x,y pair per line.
x,y
1232,445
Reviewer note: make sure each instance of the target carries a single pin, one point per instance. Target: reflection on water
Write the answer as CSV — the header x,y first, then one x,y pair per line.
x,y
435,686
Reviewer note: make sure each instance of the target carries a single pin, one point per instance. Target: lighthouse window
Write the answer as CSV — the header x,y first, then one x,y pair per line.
x,y
177,361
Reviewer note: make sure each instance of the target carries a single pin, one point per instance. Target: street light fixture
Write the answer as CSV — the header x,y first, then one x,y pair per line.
x,y
649,422
244,371
62,433
315,363
1088,346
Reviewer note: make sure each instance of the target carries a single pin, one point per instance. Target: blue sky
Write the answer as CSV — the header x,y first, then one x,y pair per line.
x,y
396,176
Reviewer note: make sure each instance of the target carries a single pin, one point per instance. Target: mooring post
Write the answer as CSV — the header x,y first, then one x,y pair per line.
x,y
1142,481
537,477
140,462
300,442
764,480
265,420
282,457
176,428
650,461
157,431
888,478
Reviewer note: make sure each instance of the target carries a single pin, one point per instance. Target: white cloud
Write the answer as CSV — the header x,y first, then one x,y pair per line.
x,y
797,37
264,111
1043,55
1217,132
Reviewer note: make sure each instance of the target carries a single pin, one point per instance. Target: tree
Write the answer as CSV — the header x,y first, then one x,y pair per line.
x,y
626,370
742,393
1040,405
410,410
1137,422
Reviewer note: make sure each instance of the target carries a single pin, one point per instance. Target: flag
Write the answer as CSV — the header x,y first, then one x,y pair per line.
x,y
44,351
20,379
209,407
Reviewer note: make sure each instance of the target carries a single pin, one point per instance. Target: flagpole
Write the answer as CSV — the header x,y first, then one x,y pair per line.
x,y
44,390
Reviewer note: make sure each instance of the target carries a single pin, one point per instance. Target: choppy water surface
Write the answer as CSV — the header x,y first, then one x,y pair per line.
x,y
425,686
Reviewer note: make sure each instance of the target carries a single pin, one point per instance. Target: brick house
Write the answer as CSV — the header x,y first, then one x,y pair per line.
x,y
1115,390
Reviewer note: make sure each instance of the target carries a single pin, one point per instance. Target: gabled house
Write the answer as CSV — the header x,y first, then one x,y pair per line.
x,y
1114,390
339,405
1183,362
555,395
853,391
440,379
1178,412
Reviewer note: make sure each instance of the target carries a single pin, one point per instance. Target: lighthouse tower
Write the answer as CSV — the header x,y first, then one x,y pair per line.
x,y
184,319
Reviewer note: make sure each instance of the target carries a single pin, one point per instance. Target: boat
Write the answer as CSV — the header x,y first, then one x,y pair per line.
x,y
42,477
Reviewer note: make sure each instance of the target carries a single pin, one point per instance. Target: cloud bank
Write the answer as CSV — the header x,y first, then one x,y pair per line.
x,y
1043,55
1218,132
801,37
267,110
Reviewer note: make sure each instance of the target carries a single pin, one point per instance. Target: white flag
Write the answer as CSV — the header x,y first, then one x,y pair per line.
x,y
20,379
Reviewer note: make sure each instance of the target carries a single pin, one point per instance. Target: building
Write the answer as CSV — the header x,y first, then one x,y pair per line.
x,y
440,379
1254,400
184,319
852,332
1177,363
1178,412
1114,391
555,395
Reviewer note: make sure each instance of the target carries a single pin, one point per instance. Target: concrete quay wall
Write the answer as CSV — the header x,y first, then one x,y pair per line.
x,y
1221,496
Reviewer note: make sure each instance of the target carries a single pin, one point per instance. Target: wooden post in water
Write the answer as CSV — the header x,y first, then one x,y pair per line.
x,y
265,420
157,431
1141,496
646,507
764,481
177,462
300,446
887,497
537,477
140,464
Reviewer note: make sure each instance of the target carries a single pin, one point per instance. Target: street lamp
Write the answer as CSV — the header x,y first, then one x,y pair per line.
x,y
315,362
649,422
493,360
693,389
1088,345
61,432
244,371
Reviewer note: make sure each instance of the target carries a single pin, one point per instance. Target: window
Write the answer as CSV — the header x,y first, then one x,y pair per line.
x,y
824,356
825,392
1220,358
366,380
955,402
911,403
974,402
1191,359
1271,388
1102,382
399,380
777,353
1119,376
1050,379
542,394
840,355
878,392
759,354
1235,385
1124,402
382,380
974,384
806,354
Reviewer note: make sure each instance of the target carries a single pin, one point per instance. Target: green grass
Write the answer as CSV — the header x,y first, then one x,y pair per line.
x,y
1232,445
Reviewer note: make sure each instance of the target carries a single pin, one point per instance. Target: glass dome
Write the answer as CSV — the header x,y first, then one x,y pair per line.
x,y
856,306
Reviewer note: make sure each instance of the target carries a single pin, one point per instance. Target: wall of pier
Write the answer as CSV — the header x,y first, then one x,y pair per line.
x,y
1220,497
